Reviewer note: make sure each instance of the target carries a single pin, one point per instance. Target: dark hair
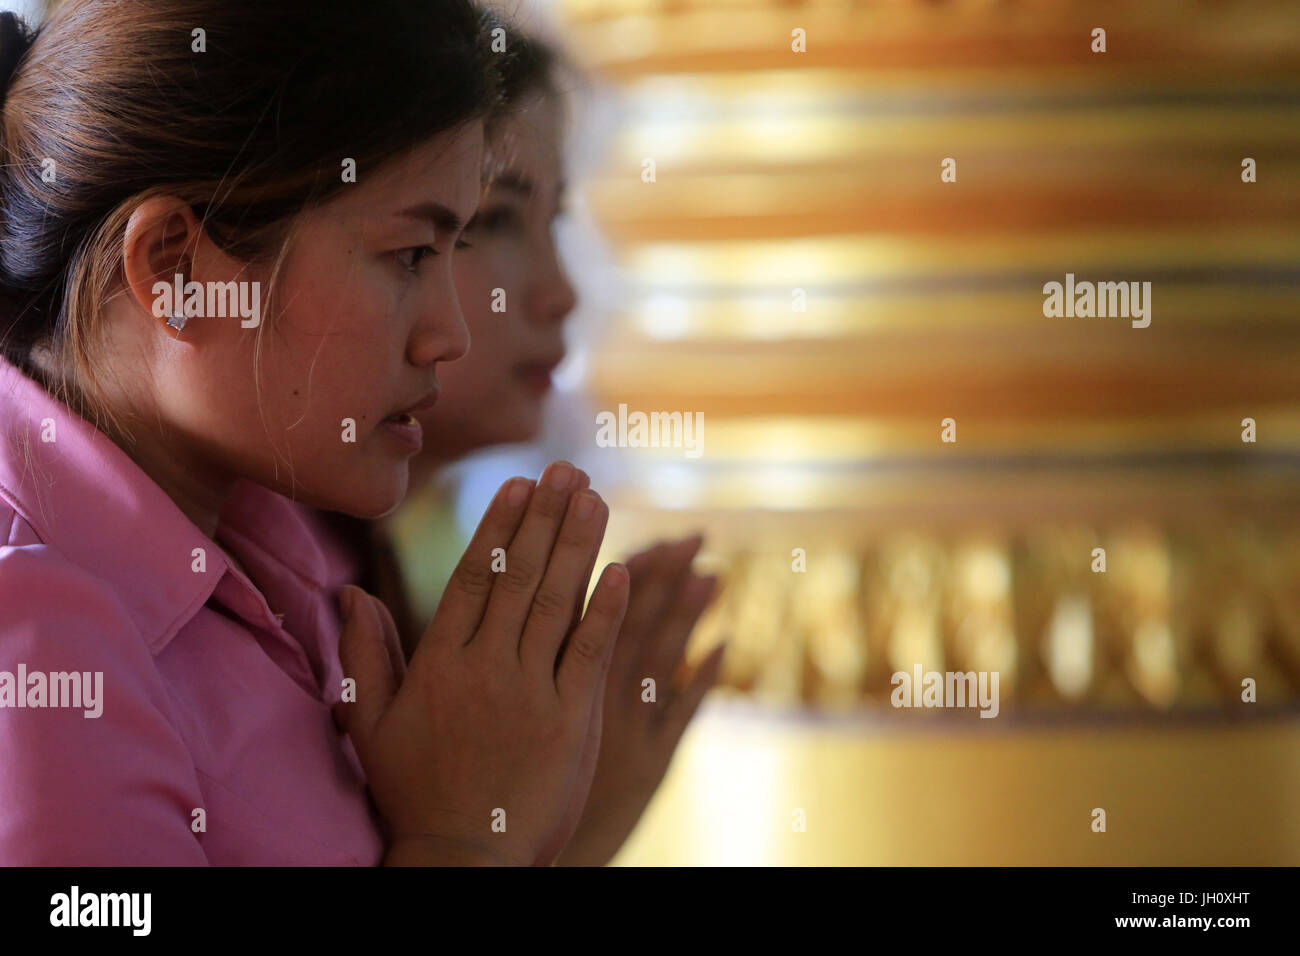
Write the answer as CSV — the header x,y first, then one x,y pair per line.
x,y
248,121
532,67
15,39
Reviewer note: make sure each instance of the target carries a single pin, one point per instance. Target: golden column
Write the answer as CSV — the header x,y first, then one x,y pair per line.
x,y
840,260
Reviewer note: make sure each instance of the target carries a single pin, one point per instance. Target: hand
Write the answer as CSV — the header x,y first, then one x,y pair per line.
x,y
639,738
495,711
591,749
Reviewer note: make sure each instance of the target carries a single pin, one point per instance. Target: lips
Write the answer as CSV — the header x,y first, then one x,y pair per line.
x,y
537,375
542,365
407,415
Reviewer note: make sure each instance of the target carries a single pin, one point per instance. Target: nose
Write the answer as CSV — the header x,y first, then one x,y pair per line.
x,y
553,296
441,334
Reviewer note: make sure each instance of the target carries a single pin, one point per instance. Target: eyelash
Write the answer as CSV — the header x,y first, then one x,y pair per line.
x,y
496,220
429,251
506,219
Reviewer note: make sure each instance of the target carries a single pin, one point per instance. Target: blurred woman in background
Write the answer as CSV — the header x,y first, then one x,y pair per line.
x,y
516,297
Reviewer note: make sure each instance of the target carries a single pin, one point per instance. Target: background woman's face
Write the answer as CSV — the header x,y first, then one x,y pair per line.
x,y
494,395
365,307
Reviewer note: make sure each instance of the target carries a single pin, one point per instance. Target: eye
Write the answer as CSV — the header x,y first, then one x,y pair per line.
x,y
496,219
414,255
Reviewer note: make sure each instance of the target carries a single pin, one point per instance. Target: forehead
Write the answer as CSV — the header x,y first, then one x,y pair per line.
x,y
445,168
528,139
460,149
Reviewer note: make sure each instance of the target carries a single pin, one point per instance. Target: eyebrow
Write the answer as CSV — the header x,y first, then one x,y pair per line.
x,y
442,218
515,182
521,184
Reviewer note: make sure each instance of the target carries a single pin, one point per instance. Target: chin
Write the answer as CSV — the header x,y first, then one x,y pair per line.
x,y
373,498
516,431
523,420
502,421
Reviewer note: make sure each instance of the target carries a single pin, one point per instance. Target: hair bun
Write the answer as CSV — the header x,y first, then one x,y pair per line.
x,y
16,38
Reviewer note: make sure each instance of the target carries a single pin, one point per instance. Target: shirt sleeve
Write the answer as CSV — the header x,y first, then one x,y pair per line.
x,y
107,783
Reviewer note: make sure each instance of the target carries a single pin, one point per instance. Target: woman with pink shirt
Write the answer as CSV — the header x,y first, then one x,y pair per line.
x,y
494,395
175,683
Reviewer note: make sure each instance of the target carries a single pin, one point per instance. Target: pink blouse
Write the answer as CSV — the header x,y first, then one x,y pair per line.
x,y
157,707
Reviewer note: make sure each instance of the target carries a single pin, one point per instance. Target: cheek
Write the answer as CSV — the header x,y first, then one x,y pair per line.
x,y
328,359
488,280
475,279
493,266
482,384
485,377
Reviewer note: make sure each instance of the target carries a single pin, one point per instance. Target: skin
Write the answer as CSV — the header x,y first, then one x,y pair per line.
x,y
495,395
365,315
504,686
501,705
639,737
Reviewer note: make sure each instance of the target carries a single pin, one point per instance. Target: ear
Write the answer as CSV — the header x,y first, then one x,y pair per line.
x,y
159,243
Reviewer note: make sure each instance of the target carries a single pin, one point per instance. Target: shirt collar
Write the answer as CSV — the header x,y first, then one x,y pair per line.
x,y
257,520
84,496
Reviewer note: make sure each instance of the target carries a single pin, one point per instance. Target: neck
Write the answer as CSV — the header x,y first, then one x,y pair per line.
x,y
197,491
197,487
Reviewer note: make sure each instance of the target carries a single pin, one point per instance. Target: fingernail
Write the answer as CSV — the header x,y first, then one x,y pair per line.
x,y
518,491
613,573
559,476
585,505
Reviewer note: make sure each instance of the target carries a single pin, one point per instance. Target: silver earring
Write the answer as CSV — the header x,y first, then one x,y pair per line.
x,y
177,321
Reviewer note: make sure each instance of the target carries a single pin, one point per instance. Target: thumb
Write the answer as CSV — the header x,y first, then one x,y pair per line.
x,y
363,652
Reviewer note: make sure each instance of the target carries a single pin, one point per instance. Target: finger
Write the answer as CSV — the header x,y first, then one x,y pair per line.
x,y
365,659
583,584
641,604
647,563
639,562
681,708
583,484
642,565
583,666
463,602
393,640
668,644
580,598
564,583
662,579
526,560
595,724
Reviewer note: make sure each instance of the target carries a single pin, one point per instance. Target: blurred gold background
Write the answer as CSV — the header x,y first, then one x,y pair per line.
x,y
820,171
